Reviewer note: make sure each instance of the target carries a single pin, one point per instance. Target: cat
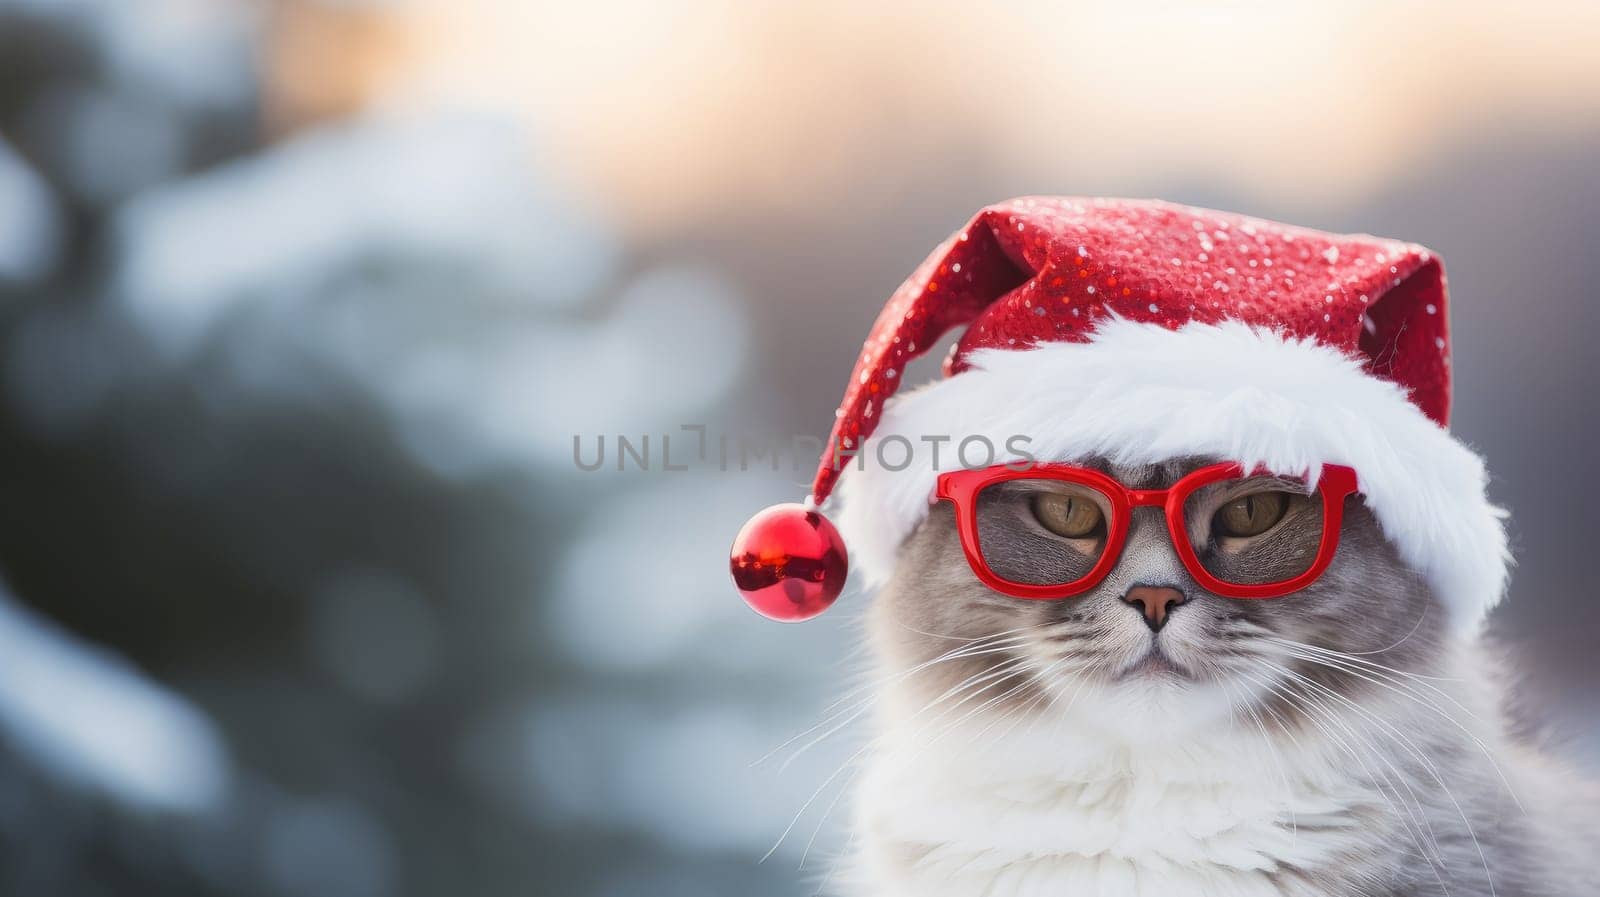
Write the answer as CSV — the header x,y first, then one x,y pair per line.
x,y
1339,741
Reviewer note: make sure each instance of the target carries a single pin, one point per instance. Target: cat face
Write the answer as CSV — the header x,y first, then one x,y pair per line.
x,y
1102,655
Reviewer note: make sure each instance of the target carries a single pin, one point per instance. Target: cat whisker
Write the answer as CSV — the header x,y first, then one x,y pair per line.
x,y
997,676
1021,664
1387,680
1272,751
991,645
1319,715
827,811
1029,709
970,682
1405,690
1008,637
1415,819
962,638
1034,679
1288,732
1359,658
849,843
1403,639
864,705
1417,754
1408,813
812,799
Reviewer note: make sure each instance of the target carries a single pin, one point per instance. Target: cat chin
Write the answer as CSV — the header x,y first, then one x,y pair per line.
x,y
1144,706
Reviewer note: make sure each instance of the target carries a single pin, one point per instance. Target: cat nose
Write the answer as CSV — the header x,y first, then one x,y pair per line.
x,y
1156,602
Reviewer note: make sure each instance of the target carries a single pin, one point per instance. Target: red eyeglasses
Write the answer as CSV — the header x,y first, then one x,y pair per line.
x,y
1055,530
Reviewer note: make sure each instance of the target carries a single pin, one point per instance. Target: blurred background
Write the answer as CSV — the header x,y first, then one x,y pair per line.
x,y
303,302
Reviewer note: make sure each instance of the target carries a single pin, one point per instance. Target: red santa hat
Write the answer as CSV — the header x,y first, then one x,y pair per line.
x,y
1143,331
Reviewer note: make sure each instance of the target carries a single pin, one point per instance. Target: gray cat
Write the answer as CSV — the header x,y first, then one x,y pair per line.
x,y
1148,737
1154,675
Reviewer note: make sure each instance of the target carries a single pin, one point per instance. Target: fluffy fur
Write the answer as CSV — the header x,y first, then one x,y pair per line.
x,y
1345,741
1141,393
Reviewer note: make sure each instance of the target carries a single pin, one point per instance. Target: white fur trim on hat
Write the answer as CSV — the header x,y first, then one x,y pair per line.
x,y
1142,393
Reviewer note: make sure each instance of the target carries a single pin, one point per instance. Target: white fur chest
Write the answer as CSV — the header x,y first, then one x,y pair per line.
x,y
1040,812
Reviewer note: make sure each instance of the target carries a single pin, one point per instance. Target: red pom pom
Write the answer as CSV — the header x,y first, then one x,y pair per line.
x,y
789,563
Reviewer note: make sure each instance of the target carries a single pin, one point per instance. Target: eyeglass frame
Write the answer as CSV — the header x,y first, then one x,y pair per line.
x,y
962,487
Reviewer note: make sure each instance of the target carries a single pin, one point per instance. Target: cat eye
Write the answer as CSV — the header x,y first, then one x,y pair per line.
x,y
1074,517
1040,531
1250,515
1055,530
1255,530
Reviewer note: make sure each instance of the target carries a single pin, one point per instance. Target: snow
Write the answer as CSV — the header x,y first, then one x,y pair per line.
x,y
88,716
447,190
30,221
